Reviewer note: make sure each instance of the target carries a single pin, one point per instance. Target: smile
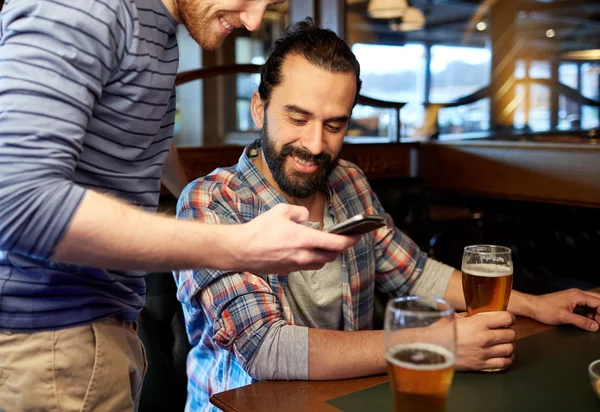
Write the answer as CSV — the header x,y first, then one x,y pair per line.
x,y
304,166
228,27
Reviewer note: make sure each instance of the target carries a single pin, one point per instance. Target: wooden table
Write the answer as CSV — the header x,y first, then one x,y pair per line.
x,y
292,396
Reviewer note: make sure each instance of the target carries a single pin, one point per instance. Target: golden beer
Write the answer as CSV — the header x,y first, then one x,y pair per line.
x,y
420,376
486,287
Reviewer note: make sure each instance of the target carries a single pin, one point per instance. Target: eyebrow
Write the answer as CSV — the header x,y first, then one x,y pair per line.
x,y
292,108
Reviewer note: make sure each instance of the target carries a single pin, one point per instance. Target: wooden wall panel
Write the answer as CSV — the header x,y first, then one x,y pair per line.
x,y
548,172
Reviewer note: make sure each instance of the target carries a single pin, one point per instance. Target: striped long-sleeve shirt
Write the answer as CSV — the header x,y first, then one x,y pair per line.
x,y
86,102
228,314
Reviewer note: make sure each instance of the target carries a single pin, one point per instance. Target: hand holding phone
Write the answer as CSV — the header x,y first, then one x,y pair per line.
x,y
358,225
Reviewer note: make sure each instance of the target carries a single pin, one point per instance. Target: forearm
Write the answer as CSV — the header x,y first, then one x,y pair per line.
x,y
520,304
173,174
342,355
105,232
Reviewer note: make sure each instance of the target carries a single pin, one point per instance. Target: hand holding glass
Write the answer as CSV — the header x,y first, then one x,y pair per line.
x,y
420,345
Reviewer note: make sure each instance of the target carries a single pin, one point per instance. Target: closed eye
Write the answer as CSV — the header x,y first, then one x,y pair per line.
x,y
297,122
333,129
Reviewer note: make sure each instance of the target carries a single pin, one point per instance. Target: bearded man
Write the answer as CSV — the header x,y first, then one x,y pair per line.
x,y
317,324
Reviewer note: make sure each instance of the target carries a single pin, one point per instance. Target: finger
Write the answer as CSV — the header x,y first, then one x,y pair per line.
x,y
580,321
504,350
500,336
499,363
589,299
495,320
594,294
298,214
330,242
316,257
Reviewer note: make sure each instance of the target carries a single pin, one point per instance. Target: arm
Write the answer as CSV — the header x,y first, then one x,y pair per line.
x,y
484,341
553,309
173,174
336,354
107,233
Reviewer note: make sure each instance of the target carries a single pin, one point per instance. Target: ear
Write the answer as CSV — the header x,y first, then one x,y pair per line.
x,y
257,110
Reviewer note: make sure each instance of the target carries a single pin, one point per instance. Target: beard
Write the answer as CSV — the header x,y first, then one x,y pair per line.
x,y
200,23
294,183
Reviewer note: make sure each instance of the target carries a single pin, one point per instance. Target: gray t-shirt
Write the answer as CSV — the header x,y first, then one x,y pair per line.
x,y
315,296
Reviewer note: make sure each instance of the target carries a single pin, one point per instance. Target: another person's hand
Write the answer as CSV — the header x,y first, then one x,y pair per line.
x,y
485,341
559,309
277,241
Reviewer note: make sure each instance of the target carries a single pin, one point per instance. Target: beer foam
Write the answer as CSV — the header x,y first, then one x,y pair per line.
x,y
440,350
488,270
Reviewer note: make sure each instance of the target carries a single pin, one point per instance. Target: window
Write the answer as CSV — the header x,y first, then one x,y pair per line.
x,y
568,110
247,50
391,73
457,72
188,116
589,88
533,100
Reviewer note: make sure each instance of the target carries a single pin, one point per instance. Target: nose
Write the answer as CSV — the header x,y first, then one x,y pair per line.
x,y
253,17
313,141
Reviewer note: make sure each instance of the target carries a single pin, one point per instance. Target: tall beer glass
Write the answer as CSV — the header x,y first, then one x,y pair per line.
x,y
420,341
487,278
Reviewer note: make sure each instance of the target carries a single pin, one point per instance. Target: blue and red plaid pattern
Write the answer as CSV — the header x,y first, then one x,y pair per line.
x,y
228,314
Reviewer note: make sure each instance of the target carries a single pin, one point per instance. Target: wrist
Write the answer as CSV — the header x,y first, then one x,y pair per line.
x,y
522,304
220,246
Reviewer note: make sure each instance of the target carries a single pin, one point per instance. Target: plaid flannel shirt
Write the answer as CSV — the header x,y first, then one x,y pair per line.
x,y
228,314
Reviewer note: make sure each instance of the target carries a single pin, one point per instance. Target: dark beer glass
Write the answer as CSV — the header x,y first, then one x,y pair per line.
x,y
420,344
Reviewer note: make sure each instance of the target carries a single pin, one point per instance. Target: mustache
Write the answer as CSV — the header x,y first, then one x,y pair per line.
x,y
305,155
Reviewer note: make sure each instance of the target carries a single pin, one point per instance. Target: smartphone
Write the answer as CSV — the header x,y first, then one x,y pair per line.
x,y
358,225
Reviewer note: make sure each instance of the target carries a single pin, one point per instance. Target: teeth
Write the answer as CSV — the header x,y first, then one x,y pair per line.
x,y
303,162
225,24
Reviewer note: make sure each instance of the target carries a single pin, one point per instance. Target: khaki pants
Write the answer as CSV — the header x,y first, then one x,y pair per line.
x,y
97,367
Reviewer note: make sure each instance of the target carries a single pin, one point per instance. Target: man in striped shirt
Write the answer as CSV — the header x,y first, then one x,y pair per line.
x,y
316,324
87,106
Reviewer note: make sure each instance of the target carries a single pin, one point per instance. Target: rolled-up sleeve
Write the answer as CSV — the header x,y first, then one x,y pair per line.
x,y
54,59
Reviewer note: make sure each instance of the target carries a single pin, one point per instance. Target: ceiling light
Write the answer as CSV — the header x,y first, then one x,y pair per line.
x,y
412,20
387,9
481,26
550,33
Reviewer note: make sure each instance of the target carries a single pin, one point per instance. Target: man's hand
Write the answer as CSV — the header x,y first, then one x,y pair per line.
x,y
277,241
485,341
559,309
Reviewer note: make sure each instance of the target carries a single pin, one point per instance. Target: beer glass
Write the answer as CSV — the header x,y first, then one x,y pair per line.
x,y
487,278
420,348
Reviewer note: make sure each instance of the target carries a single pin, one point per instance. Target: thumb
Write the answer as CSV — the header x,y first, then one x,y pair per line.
x,y
497,320
581,322
295,213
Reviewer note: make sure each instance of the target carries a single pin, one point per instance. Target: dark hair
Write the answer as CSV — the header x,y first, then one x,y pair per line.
x,y
321,47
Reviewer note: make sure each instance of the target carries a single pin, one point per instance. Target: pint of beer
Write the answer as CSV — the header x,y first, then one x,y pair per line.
x,y
420,341
487,278
420,376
